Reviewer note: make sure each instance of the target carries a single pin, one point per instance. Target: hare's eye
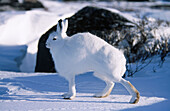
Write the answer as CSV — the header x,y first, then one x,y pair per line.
x,y
54,39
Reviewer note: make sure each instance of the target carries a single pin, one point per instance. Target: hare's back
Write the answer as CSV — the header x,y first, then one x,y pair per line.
x,y
102,50
87,40
91,43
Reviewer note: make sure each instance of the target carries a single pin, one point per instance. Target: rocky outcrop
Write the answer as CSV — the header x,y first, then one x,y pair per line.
x,y
98,21
6,5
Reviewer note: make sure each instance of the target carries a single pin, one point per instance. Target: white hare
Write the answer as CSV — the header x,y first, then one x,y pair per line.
x,y
85,52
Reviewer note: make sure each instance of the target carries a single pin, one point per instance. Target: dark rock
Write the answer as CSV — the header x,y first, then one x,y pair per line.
x,y
138,0
95,20
161,6
15,5
44,62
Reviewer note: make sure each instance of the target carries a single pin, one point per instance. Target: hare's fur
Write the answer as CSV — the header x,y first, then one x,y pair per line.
x,y
85,52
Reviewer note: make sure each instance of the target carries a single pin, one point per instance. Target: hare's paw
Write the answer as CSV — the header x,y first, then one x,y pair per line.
x,y
135,99
101,95
65,94
106,92
69,96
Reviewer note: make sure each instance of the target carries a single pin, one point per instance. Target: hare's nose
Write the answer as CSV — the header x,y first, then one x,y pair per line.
x,y
47,45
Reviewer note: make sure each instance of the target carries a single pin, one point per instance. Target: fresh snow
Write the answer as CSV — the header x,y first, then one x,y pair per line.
x,y
42,91
11,57
22,91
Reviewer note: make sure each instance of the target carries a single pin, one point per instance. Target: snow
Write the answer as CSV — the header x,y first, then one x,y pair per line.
x,y
25,29
42,91
22,89
11,57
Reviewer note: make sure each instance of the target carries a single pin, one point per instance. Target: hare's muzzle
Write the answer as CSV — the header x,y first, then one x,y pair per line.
x,y
47,45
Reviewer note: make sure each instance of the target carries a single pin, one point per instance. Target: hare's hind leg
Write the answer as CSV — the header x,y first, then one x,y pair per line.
x,y
72,90
107,90
132,90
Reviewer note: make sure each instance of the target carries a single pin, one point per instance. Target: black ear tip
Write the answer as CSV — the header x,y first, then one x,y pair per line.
x,y
59,22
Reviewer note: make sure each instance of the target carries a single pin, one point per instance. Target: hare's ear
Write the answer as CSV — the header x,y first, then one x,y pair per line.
x,y
59,27
62,28
65,25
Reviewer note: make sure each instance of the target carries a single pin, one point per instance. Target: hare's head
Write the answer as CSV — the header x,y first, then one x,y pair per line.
x,y
57,37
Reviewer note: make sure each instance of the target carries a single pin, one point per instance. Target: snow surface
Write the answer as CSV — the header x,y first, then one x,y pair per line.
x,y
21,91
42,91
11,57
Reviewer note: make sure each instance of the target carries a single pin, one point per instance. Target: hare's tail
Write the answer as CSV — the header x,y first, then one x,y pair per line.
x,y
123,71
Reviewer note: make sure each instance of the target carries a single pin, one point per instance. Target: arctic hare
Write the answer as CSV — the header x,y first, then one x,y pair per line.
x,y
85,52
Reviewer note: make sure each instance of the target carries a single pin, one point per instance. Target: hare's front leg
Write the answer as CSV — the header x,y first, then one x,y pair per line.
x,y
72,90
